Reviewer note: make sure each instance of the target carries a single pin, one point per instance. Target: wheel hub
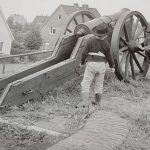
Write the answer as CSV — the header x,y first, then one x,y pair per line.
x,y
132,45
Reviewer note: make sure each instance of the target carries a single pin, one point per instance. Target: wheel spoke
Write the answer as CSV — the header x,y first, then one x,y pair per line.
x,y
75,20
123,49
126,32
123,41
131,27
141,54
83,19
127,66
123,58
135,26
139,32
132,66
69,30
137,63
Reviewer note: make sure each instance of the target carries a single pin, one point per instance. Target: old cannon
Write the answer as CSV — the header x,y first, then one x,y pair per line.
x,y
128,35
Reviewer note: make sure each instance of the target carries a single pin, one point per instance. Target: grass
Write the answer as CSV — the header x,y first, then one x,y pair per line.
x,y
129,101
136,90
15,138
139,135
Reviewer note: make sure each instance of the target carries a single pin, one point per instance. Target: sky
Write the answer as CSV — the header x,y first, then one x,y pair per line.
x,y
32,8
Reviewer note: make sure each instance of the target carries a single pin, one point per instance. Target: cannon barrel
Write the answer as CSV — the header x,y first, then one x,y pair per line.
x,y
86,28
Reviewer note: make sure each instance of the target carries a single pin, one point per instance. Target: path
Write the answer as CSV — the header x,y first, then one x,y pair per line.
x,y
103,131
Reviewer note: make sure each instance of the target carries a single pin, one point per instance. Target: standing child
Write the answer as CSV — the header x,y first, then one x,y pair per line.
x,y
95,55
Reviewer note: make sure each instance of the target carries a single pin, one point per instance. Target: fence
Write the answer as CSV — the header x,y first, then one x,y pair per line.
x,y
11,58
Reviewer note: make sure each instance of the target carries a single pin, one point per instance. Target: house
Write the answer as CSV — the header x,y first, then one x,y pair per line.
x,y
54,27
6,36
39,21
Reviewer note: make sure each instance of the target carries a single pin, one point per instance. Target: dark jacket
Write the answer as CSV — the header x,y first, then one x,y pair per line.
x,y
95,45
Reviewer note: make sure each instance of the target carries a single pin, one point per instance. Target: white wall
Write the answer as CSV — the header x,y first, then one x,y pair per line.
x,y
5,36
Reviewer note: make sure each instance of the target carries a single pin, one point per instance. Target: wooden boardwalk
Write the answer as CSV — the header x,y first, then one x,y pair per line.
x,y
103,131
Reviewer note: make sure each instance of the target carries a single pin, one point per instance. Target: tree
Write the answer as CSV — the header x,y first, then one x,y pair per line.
x,y
33,41
10,22
18,27
14,25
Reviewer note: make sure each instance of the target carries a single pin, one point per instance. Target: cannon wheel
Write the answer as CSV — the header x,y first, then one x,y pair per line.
x,y
77,18
127,37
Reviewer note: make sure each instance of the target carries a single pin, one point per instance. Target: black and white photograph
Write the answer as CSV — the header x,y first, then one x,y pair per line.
x,y
74,75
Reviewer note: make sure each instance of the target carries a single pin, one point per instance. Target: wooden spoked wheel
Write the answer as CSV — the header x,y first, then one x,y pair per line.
x,y
127,39
77,18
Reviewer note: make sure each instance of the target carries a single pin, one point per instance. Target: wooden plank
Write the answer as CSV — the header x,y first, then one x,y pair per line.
x,y
62,52
5,93
67,39
41,82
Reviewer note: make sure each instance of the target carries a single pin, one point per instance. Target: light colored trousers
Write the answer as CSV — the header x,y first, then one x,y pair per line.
x,y
93,71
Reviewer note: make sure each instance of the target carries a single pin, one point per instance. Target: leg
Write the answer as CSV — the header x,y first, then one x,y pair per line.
x,y
86,83
98,89
98,97
89,74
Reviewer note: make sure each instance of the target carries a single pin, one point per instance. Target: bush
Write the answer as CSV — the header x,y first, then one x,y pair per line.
x,y
33,40
17,45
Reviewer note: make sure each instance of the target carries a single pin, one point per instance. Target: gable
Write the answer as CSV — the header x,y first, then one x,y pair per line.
x,y
53,19
71,9
40,19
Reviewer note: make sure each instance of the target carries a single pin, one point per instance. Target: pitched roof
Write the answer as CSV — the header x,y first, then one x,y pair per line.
x,y
71,9
8,29
40,19
43,26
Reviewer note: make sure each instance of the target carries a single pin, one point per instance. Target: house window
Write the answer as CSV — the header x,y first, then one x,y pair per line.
x,y
1,46
52,30
59,17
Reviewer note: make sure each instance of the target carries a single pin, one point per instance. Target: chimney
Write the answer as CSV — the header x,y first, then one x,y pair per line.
x,y
85,6
76,5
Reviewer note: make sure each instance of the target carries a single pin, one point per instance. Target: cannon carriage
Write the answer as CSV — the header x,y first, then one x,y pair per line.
x,y
127,44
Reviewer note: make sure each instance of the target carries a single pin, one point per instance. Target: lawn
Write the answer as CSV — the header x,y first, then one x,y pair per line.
x,y
56,111
11,69
15,138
